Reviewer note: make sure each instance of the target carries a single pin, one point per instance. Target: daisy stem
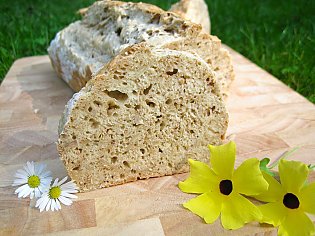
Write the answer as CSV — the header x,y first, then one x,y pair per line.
x,y
33,202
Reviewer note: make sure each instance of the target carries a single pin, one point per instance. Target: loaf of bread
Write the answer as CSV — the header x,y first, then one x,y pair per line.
x,y
108,27
146,112
194,10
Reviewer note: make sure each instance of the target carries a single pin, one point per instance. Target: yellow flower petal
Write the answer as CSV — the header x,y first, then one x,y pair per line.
x,y
296,224
237,211
275,191
273,213
207,206
293,175
307,198
200,180
222,159
248,179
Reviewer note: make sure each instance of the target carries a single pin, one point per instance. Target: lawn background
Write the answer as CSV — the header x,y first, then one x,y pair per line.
x,y
277,35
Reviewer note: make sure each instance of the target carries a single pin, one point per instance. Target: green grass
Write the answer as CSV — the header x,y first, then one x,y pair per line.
x,y
277,35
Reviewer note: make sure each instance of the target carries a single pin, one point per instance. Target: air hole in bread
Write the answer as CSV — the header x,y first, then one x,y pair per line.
x,y
122,176
113,160
142,150
170,73
118,31
133,171
134,92
170,165
155,19
126,164
112,106
147,90
90,109
160,150
97,103
95,124
168,101
117,95
150,103
76,168
74,137
128,105
137,107
162,125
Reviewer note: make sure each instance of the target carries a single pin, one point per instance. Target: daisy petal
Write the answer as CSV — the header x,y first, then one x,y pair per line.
x,y
248,179
22,172
237,211
19,182
22,190
307,196
65,201
27,192
37,193
40,200
275,191
39,168
58,205
68,195
273,213
200,180
293,175
30,166
296,223
21,176
48,204
45,174
207,206
222,159
53,205
55,182
63,180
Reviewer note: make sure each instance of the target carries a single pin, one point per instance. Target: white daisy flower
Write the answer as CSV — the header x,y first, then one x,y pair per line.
x,y
34,180
58,192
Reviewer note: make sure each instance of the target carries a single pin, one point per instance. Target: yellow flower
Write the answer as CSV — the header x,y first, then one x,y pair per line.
x,y
221,188
290,200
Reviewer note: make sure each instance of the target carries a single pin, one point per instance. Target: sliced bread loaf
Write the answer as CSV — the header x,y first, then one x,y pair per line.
x,y
108,27
143,116
194,10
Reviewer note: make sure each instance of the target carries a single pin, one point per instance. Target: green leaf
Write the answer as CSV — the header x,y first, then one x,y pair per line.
x,y
263,166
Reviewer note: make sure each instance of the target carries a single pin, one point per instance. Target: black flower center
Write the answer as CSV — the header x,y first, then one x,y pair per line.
x,y
291,201
226,187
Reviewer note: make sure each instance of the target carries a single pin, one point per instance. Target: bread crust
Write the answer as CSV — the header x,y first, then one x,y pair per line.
x,y
78,51
194,10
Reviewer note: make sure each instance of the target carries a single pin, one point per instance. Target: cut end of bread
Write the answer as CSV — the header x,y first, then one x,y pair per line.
x,y
148,112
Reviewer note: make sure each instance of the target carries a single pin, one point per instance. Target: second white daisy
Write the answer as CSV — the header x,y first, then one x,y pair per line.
x,y
34,180
59,192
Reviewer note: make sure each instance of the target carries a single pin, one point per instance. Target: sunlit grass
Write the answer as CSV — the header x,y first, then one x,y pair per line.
x,y
277,35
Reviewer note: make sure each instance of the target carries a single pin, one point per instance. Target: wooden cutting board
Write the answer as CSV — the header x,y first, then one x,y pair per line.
x,y
266,119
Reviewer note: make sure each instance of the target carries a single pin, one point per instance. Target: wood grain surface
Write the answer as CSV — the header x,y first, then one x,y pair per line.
x,y
266,119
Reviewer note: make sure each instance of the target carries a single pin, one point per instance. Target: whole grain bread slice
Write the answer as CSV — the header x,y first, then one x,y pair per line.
x,y
108,27
147,112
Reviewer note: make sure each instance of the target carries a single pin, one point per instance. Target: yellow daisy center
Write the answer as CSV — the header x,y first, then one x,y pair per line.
x,y
291,201
54,192
33,181
226,187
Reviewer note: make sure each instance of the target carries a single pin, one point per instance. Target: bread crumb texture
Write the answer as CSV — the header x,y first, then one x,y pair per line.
x,y
147,112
